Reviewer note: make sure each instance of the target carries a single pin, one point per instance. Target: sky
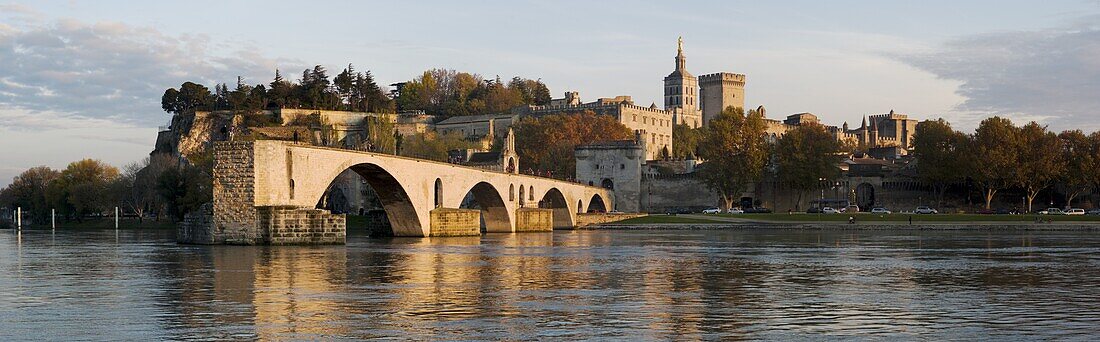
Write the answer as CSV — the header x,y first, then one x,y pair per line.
x,y
83,79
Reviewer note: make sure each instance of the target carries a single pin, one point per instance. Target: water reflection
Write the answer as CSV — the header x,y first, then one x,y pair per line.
x,y
772,284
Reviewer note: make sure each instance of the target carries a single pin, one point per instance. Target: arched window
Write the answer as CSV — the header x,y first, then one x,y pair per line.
x,y
531,193
580,206
521,198
292,189
511,192
438,193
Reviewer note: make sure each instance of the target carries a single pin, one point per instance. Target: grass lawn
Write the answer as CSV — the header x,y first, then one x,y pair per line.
x,y
868,217
663,219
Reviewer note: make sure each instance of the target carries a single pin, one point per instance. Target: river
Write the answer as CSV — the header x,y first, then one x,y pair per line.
x,y
624,285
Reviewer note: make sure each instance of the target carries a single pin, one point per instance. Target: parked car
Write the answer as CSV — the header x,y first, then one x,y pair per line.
x,y
1075,211
1006,211
880,210
1093,212
850,209
829,210
813,210
925,210
1051,211
712,211
735,211
758,210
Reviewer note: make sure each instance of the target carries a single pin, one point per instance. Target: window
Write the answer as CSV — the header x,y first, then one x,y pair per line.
x,y
531,193
438,193
511,192
622,166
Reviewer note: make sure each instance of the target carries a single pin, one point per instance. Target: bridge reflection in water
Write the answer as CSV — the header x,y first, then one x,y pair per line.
x,y
313,292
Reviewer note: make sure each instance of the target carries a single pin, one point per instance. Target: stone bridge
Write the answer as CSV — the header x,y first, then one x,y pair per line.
x,y
267,192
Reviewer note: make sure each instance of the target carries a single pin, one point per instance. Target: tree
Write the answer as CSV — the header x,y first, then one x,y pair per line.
x,y
315,90
687,141
546,143
82,188
940,155
434,146
282,92
452,93
994,151
1039,160
183,189
806,156
381,135
735,150
1093,174
190,96
28,191
1080,159
344,82
136,187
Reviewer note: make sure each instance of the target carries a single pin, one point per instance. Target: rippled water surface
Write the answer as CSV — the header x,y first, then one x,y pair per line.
x,y
718,284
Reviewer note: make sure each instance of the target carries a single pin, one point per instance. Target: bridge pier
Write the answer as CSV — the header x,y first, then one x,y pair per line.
x,y
534,220
455,222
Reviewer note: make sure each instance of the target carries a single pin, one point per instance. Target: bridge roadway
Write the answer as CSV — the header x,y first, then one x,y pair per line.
x,y
254,179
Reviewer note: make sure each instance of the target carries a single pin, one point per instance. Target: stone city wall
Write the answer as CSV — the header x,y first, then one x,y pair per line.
x,y
676,193
594,219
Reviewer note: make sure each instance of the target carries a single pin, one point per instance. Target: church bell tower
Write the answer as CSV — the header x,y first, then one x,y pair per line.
x,y
681,90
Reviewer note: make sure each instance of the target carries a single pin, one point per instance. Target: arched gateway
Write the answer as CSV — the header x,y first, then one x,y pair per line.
x,y
266,192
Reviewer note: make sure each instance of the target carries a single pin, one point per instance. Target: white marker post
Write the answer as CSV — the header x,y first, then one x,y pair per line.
x,y
19,218
53,219
116,218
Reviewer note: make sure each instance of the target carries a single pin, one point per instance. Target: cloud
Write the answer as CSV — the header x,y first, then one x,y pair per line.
x,y
1051,76
68,70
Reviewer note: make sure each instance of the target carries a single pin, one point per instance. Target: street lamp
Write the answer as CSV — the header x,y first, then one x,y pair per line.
x,y
822,180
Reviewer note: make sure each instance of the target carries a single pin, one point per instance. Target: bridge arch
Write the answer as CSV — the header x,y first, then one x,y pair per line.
x,y
400,210
555,200
494,211
596,204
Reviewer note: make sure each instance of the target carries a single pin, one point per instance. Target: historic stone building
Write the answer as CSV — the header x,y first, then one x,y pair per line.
x,y
681,91
652,123
720,90
616,166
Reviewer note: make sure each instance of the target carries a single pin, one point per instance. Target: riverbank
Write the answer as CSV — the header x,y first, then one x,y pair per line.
x,y
105,223
840,222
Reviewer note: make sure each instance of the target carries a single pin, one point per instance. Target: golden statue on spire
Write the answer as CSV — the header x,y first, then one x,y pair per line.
x,y
680,44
